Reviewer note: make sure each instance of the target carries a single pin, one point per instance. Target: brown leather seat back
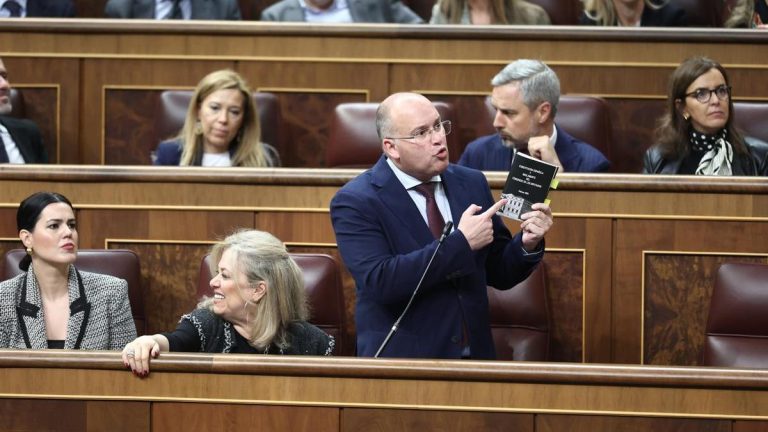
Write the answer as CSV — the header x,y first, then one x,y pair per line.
x,y
120,263
584,117
520,319
354,143
752,119
18,108
561,12
737,327
173,105
325,295
702,13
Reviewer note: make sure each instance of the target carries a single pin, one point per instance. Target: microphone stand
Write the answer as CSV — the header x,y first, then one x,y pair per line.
x,y
396,325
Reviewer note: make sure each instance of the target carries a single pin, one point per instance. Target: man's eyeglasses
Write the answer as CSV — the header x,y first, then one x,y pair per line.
x,y
444,127
703,95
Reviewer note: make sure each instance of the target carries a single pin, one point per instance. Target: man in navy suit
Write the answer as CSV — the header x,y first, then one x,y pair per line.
x,y
525,96
385,230
20,140
37,8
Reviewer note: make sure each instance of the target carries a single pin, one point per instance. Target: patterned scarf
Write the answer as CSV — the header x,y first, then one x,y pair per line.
x,y
719,153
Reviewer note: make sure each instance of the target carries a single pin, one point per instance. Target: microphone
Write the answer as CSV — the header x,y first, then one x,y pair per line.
x,y
396,325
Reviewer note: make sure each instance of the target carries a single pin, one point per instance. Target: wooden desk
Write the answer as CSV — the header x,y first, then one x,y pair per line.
x,y
630,260
62,390
94,84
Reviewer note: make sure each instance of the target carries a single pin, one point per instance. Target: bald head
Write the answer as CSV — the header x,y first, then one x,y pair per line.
x,y
392,105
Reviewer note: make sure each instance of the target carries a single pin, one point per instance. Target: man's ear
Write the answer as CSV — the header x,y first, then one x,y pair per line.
x,y
389,149
543,112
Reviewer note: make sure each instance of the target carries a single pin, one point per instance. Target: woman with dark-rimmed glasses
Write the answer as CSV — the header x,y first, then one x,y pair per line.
x,y
697,134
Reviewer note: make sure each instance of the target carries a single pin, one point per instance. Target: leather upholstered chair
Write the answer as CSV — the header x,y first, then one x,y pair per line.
x,y
120,263
751,119
585,117
325,294
520,319
173,107
18,109
703,13
561,12
354,143
737,327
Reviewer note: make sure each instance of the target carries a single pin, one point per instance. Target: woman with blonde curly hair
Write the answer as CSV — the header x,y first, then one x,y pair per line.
x,y
258,307
221,128
633,13
488,12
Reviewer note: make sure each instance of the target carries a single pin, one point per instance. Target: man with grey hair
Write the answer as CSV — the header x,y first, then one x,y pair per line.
x,y
525,96
20,140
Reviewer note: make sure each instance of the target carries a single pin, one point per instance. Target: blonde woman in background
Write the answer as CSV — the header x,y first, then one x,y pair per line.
x,y
749,14
221,128
258,307
488,12
633,13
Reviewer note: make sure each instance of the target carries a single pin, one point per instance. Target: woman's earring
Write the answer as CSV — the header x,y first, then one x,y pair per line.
x,y
198,128
30,252
686,116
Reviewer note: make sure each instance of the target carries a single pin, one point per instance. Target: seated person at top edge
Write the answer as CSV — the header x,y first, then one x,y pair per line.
x,y
52,304
525,95
221,128
697,134
37,9
492,12
633,13
20,140
258,306
341,11
173,9
748,14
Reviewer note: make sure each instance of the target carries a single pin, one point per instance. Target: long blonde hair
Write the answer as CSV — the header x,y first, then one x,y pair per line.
x,y
260,256
604,13
249,151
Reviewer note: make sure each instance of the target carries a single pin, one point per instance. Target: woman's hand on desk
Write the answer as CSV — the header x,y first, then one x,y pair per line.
x,y
136,354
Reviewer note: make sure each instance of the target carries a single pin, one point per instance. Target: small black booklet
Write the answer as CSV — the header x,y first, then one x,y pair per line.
x,y
528,182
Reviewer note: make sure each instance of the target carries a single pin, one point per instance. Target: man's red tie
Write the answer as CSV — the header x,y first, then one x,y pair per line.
x,y
434,218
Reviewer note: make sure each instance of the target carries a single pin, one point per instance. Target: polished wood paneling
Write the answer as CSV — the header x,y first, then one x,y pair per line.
x,y
314,68
235,418
118,416
381,420
678,289
556,423
633,238
615,238
750,426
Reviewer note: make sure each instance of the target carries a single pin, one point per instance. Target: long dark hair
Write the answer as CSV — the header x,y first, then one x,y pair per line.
x,y
673,130
29,213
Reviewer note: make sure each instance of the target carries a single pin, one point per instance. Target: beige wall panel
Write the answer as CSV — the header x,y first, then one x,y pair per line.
x,y
297,226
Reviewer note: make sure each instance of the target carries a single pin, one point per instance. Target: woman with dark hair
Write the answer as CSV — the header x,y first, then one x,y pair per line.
x,y
221,128
258,307
52,304
697,134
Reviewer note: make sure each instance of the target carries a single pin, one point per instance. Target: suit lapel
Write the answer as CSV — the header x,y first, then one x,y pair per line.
x,y
293,12
396,199
79,311
201,9
31,321
457,193
20,139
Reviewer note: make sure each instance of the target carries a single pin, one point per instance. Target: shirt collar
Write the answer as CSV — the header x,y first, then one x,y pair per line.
x,y
407,180
336,5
